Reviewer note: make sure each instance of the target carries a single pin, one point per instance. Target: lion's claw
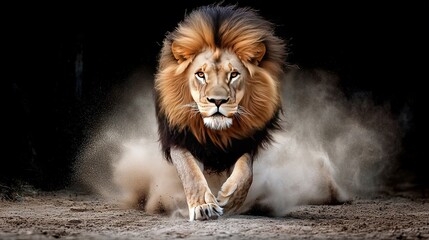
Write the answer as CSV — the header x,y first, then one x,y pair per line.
x,y
205,211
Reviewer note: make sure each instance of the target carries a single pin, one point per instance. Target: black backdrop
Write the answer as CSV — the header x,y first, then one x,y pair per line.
x,y
63,60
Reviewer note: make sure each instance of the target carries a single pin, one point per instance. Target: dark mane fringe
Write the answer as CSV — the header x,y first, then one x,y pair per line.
x,y
214,158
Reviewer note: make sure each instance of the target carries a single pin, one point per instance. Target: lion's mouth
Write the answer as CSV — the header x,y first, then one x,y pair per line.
x,y
217,121
217,114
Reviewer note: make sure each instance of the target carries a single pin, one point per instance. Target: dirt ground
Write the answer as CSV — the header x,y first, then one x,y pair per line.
x,y
73,215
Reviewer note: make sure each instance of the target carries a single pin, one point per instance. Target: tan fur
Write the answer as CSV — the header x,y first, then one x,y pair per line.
x,y
234,190
202,203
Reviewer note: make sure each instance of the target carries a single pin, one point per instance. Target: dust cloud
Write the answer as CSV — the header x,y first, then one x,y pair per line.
x,y
333,148
330,141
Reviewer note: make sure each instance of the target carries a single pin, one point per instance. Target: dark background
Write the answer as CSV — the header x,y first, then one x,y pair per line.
x,y
53,101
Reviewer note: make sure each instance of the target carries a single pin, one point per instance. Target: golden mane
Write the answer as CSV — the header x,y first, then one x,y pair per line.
x,y
218,28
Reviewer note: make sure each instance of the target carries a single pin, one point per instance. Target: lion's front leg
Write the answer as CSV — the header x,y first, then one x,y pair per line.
x,y
202,203
234,190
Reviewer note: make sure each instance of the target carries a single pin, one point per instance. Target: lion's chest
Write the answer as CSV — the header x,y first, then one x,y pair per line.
x,y
218,159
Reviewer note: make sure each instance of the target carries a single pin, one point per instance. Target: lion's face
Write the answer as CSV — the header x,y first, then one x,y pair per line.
x,y
216,81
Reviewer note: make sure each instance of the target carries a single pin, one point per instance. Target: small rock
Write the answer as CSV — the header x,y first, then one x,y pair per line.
x,y
74,209
75,221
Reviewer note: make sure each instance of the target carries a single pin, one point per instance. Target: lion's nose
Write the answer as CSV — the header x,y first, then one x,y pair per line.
x,y
218,101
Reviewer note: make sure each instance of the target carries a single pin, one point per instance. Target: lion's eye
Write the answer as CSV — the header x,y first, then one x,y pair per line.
x,y
200,76
233,75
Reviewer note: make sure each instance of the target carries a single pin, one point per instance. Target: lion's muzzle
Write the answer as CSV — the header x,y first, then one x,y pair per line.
x,y
217,115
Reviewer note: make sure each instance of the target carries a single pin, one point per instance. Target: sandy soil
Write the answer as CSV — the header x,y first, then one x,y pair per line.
x,y
71,215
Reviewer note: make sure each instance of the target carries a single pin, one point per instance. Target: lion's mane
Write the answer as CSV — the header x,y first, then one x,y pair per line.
x,y
220,28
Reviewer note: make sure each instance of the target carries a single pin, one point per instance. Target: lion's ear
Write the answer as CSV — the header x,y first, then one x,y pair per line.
x,y
253,53
259,52
180,53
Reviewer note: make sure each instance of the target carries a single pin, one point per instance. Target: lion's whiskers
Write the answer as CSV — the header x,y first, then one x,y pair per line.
x,y
243,111
192,107
189,105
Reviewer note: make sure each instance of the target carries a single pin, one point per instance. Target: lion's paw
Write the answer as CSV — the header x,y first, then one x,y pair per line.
x,y
205,211
231,198
233,194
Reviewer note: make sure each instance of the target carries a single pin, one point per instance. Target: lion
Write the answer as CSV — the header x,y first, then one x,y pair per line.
x,y
217,99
